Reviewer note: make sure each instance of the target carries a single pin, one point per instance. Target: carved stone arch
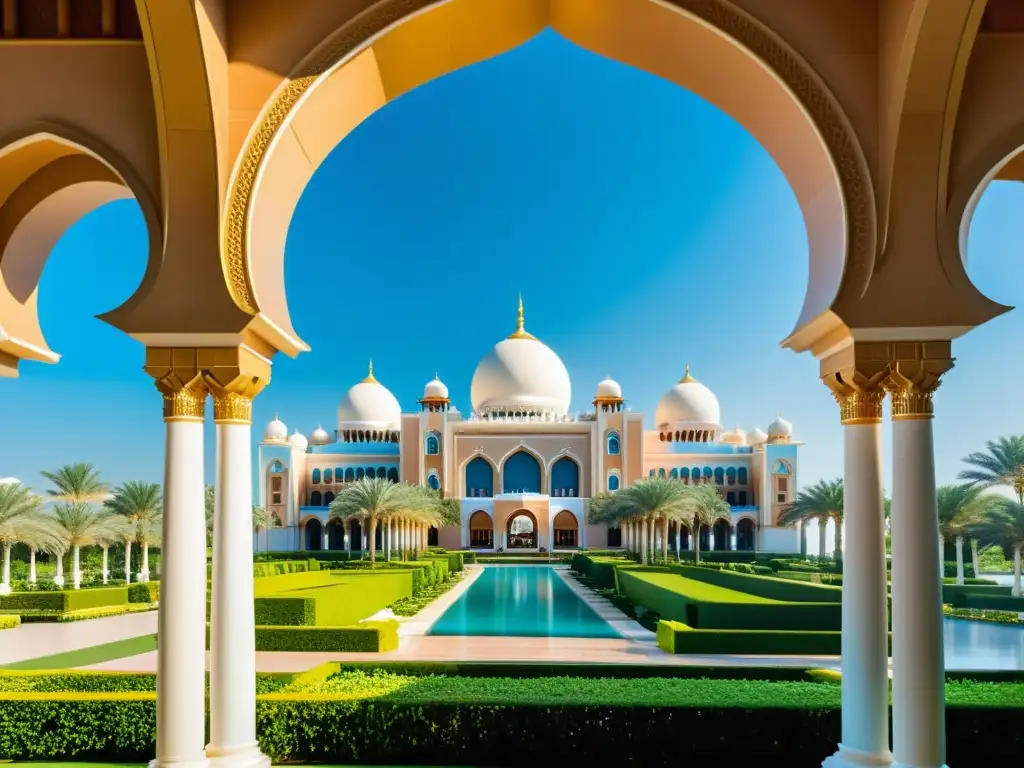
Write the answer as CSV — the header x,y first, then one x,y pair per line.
x,y
817,149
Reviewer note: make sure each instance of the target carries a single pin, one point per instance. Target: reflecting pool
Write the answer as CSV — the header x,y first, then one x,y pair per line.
x,y
983,645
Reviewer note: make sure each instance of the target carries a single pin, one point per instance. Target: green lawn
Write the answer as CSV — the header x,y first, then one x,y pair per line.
x,y
92,655
699,590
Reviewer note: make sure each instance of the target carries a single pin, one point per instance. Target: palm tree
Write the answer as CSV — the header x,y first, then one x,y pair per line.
x,y
142,505
1007,528
77,483
707,505
210,499
654,499
22,521
1001,463
962,509
373,500
82,526
262,520
823,501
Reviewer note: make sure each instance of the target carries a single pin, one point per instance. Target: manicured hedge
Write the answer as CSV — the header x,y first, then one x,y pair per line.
x,y
10,621
331,555
331,598
598,567
764,586
995,602
144,592
957,594
285,611
367,637
456,560
676,637
65,600
281,567
673,597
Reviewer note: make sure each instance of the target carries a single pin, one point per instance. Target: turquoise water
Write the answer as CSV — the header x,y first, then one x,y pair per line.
x,y
521,601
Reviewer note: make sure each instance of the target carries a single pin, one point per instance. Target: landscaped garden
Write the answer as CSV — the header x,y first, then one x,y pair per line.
x,y
464,713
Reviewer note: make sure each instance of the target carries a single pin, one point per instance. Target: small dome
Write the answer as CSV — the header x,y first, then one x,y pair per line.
x,y
780,428
435,390
275,432
734,437
298,441
689,400
608,387
756,437
521,374
369,405
319,436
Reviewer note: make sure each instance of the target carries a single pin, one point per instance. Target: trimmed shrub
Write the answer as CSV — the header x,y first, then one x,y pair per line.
x,y
718,556
331,598
995,602
456,560
949,569
370,636
952,580
285,611
144,592
956,594
65,600
10,621
321,555
280,567
763,586
676,637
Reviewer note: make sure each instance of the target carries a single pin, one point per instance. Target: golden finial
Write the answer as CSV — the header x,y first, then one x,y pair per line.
x,y
520,332
369,375
687,378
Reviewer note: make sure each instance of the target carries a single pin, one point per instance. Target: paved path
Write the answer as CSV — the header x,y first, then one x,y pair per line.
x,y
30,641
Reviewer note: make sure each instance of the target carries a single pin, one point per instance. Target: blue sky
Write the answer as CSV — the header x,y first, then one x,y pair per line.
x,y
643,227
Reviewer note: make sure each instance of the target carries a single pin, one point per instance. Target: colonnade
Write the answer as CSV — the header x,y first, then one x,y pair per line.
x,y
918,689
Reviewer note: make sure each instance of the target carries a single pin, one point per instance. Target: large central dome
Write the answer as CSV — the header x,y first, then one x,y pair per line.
x,y
521,374
369,405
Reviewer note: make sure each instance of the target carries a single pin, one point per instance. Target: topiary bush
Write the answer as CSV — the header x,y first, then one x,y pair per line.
x,y
144,592
10,621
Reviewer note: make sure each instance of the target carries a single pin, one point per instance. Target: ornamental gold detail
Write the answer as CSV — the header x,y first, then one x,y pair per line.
x,y
232,408
911,401
860,406
186,404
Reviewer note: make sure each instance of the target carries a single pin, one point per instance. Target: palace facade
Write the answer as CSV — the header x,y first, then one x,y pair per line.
x,y
522,467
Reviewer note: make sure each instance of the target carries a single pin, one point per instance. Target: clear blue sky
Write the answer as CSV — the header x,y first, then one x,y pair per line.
x,y
643,226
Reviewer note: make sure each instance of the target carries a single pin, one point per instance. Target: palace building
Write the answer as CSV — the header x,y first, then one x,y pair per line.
x,y
521,465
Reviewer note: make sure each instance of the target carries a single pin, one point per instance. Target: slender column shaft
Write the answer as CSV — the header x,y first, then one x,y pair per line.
x,y
918,685
181,623
865,655
32,565
144,570
106,570
232,630
128,556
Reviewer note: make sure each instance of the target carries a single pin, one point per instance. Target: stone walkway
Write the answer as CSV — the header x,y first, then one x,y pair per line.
x,y
31,641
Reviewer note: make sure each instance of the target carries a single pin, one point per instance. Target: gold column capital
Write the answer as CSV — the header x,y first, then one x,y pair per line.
x,y
914,376
859,393
232,408
183,401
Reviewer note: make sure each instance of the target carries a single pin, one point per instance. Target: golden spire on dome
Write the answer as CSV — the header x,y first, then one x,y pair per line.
x,y
369,375
520,332
687,378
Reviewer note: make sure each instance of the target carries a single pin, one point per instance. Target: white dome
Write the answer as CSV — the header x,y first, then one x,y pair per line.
x,y
734,437
608,387
298,441
756,437
369,404
689,400
275,432
435,389
780,428
521,373
319,436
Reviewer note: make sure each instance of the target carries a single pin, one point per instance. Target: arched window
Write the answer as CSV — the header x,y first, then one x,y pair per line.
x,y
339,474
350,474
743,498
730,475
328,476
360,474
276,467
719,476
433,446
328,498
370,473
674,473
316,477
695,475
613,443
434,482
393,475
730,498
741,475
684,474
481,530
521,474
708,473
661,472
565,477
315,499
651,473
314,534
745,535
479,477
382,472
613,481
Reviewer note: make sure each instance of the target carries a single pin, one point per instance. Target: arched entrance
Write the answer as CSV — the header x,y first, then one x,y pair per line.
x,y
335,535
684,538
722,532
313,534
355,536
521,531
481,531
745,535
566,530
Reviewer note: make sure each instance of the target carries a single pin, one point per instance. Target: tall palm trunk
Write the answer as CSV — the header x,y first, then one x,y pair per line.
x,y
803,539
32,565
389,527
58,579
696,541
837,542
664,538
1016,571
974,558
373,544
144,571
643,542
106,571
959,559
127,562
822,521
5,584
76,571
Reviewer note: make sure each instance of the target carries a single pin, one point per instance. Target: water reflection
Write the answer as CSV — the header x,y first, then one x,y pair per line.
x,y
983,645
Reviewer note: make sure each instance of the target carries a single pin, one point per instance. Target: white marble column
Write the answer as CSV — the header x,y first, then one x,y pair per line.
x,y
144,569
32,565
865,653
181,622
128,555
918,679
106,569
232,631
